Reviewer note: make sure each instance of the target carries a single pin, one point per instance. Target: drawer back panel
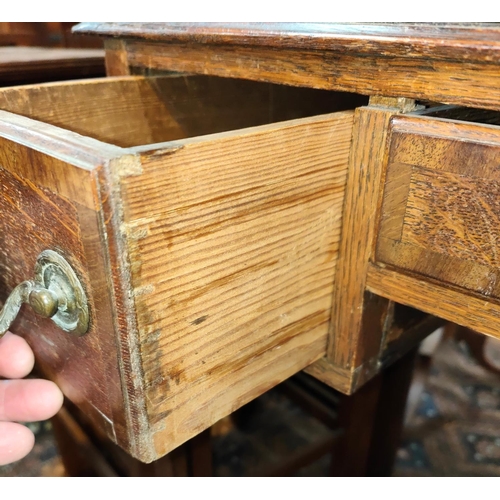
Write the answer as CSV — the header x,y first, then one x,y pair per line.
x,y
133,111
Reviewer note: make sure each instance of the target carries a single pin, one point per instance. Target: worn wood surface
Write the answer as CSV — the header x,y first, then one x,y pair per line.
x,y
367,332
403,328
116,59
135,111
20,65
48,202
223,266
96,371
438,62
432,297
333,375
351,342
471,41
233,258
440,214
76,168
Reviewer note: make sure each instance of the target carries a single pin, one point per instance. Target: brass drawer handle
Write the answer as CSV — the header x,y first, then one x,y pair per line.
x,y
56,292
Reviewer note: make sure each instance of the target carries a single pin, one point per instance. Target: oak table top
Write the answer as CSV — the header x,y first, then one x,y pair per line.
x,y
444,62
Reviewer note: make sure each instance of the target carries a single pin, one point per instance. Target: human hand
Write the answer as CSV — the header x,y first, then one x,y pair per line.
x,y
21,400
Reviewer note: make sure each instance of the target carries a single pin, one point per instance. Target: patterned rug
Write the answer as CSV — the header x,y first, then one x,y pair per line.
x,y
43,461
453,429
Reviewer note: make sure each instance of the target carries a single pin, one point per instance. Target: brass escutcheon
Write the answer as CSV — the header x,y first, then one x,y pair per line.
x,y
56,293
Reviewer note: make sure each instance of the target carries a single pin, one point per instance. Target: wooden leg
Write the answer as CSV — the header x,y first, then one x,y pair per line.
x,y
373,419
85,454
356,417
79,455
200,455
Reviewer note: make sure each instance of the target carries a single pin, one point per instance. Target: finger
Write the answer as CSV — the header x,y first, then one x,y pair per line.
x,y
16,357
29,400
16,441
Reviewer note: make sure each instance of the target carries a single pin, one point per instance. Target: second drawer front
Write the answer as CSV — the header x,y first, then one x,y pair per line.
x,y
441,205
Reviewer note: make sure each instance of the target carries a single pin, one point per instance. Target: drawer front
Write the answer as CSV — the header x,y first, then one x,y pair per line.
x,y
209,261
441,208
48,204
438,239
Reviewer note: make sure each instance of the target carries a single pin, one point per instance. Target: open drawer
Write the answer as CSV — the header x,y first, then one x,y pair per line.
x,y
438,243
206,249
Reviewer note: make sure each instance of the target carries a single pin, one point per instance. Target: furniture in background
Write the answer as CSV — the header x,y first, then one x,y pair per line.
x,y
22,65
47,52
45,35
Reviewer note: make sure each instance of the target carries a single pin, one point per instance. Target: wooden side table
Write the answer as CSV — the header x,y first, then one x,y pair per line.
x,y
243,201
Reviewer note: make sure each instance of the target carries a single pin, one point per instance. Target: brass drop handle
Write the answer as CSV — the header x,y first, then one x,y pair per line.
x,y
56,292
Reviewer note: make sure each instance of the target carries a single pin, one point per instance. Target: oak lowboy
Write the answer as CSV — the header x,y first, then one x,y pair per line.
x,y
231,230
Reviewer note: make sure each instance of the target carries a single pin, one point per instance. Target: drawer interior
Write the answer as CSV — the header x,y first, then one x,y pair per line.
x,y
475,115
135,111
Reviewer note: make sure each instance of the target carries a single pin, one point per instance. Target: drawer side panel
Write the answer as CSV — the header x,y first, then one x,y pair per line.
x,y
233,243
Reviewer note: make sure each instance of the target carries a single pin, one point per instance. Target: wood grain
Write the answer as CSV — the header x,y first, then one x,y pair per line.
x,y
223,266
454,215
341,379
116,59
76,168
350,343
367,332
432,297
39,212
401,330
57,147
440,213
453,81
233,257
133,111
459,41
